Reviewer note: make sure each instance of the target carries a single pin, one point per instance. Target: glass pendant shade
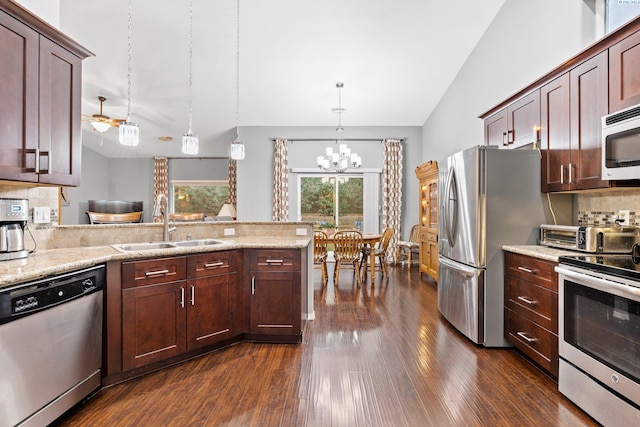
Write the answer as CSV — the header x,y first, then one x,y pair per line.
x,y
237,150
100,126
190,143
129,134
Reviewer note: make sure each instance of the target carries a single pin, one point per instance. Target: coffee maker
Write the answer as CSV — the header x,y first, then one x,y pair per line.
x,y
13,219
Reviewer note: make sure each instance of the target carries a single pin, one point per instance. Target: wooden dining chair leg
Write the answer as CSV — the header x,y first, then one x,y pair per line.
x,y
336,273
356,270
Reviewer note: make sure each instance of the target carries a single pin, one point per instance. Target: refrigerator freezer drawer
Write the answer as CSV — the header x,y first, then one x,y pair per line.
x,y
460,297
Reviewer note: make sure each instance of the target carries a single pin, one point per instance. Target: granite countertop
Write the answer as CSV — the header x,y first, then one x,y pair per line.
x,y
538,251
43,263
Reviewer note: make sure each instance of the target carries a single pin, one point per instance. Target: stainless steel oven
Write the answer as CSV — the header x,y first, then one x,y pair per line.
x,y
599,333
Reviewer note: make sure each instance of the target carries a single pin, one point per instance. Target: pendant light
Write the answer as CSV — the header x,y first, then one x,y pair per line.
x,y
129,133
190,141
237,147
343,158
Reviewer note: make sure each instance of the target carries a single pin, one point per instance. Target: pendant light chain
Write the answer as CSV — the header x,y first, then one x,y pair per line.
x,y
129,32
128,132
190,64
237,69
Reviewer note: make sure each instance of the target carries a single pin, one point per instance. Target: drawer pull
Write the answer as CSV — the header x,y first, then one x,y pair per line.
x,y
527,338
156,272
253,285
527,270
214,264
182,297
528,301
274,261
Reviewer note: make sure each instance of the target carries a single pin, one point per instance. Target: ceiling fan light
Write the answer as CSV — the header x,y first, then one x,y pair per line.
x,y
100,126
129,134
190,143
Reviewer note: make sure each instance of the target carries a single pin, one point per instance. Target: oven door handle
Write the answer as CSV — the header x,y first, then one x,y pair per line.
x,y
609,286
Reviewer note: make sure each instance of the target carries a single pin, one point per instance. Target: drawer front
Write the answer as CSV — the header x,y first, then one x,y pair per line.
x,y
275,260
210,264
535,342
532,270
149,272
432,237
538,304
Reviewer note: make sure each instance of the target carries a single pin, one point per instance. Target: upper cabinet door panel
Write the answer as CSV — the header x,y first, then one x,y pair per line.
x,y
589,102
523,117
59,123
18,99
555,135
624,78
495,129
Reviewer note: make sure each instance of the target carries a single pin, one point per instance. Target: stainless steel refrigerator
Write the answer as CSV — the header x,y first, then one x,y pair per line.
x,y
488,197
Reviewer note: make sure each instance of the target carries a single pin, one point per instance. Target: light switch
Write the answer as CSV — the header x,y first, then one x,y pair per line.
x,y
41,215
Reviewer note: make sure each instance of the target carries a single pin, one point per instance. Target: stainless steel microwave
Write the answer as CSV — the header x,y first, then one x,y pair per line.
x,y
621,144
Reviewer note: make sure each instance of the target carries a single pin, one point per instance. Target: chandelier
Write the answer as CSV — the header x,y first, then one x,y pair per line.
x,y
129,133
190,141
340,160
343,158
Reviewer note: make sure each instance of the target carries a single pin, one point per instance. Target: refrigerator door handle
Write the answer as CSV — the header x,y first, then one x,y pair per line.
x,y
451,204
464,270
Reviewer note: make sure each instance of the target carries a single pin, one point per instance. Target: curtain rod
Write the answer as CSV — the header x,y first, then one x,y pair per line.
x,y
335,139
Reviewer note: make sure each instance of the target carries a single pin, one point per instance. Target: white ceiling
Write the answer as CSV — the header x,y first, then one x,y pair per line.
x,y
395,57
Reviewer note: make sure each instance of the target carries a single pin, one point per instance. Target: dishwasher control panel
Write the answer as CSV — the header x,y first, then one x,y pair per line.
x,y
26,298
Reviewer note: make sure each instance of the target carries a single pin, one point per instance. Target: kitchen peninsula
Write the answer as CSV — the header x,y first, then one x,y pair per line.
x,y
251,282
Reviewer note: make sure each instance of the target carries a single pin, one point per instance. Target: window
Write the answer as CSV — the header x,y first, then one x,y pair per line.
x,y
336,199
199,196
619,12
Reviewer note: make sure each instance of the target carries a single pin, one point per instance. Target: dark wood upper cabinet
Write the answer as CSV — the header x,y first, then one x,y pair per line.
x,y
40,100
513,126
624,79
571,131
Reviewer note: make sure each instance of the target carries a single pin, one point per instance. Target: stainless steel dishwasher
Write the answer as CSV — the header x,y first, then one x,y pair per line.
x,y
50,346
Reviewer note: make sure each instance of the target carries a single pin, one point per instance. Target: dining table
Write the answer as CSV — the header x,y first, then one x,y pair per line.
x,y
369,239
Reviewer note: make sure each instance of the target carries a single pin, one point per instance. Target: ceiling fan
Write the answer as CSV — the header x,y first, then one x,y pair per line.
x,y
100,122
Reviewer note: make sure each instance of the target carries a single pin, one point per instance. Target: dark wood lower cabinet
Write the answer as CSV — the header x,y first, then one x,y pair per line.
x,y
163,310
275,304
531,309
153,324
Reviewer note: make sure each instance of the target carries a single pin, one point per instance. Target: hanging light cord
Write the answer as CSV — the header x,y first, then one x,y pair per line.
x,y
190,64
129,63
238,70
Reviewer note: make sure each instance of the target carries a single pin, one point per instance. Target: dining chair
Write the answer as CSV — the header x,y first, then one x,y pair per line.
x,y
407,248
346,251
114,218
320,243
380,250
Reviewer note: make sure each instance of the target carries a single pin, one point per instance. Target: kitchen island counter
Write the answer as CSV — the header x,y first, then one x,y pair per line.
x,y
42,263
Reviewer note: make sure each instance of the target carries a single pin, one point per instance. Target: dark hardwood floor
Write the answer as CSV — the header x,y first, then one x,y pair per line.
x,y
374,356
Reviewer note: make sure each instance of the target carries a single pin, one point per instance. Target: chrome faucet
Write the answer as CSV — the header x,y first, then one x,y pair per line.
x,y
165,216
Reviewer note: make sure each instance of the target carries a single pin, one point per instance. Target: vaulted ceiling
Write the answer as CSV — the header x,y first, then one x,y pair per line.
x,y
395,57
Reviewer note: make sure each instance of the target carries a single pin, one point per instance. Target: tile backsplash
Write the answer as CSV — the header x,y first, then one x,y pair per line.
x,y
601,208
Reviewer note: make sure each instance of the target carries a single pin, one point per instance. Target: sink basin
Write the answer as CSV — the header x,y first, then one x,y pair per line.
x,y
200,242
144,246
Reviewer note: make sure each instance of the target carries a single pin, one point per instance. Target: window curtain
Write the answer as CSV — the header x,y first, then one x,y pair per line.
x,y
392,190
233,187
280,181
160,181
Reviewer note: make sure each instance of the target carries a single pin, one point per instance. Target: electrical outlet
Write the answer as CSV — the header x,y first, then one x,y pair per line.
x,y
623,217
229,231
301,231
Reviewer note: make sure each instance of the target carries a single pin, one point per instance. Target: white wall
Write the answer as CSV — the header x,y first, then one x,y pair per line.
x,y
526,40
255,172
48,10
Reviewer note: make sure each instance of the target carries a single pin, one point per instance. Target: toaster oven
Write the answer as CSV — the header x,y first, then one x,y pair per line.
x,y
589,238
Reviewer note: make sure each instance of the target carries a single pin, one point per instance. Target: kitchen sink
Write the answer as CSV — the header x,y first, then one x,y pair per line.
x,y
152,246
200,242
134,247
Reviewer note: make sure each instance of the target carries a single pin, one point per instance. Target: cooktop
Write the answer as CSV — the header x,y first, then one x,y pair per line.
x,y
621,265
